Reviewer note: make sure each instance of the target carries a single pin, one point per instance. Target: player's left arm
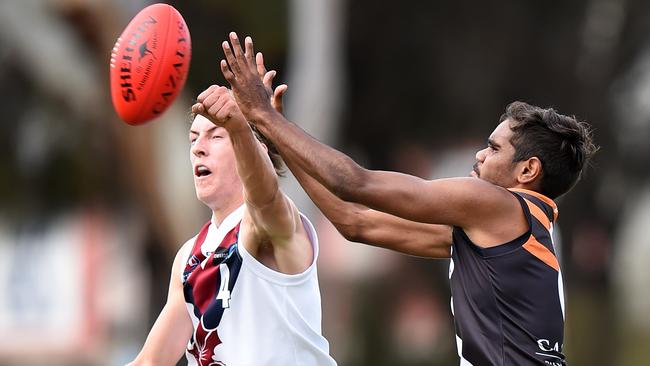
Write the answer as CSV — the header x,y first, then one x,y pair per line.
x,y
465,202
168,337
356,222
275,220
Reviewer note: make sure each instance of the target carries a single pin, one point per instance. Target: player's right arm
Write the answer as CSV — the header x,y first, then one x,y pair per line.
x,y
172,330
468,203
364,225
359,223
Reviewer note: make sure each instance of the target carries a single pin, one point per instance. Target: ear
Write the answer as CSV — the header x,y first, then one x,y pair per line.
x,y
266,148
529,171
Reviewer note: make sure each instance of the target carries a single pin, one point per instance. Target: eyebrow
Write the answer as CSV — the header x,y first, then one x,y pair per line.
x,y
206,131
492,143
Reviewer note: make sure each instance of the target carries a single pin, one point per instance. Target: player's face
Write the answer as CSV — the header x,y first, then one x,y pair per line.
x,y
494,163
213,164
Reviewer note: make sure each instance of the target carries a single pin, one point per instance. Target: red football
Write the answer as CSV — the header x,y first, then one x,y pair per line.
x,y
149,63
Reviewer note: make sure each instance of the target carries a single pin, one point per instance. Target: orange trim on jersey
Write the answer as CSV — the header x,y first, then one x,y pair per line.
x,y
545,199
542,253
539,214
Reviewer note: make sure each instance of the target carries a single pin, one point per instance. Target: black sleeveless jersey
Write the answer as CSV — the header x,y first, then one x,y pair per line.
x,y
508,300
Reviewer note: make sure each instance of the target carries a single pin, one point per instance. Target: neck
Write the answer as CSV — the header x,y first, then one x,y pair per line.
x,y
223,211
527,186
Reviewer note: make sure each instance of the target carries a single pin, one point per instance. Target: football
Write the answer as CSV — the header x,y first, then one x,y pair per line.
x,y
149,63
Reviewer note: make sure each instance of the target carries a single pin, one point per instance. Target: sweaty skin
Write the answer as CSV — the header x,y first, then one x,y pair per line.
x,y
238,171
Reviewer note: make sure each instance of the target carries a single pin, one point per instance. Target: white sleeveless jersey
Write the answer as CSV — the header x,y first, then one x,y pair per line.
x,y
245,313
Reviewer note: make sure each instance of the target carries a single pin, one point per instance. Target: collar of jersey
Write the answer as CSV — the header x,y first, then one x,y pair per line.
x,y
217,233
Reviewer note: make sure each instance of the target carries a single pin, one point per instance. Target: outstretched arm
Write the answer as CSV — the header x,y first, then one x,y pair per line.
x,y
173,328
464,202
364,225
274,219
359,223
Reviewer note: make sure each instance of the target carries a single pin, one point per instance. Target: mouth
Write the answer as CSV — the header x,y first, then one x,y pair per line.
x,y
475,173
201,171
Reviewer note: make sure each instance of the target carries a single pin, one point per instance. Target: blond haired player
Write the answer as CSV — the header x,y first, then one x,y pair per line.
x,y
244,290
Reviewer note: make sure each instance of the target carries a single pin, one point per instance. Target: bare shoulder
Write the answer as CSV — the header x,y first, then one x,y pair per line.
x,y
491,215
450,201
469,200
474,188
491,196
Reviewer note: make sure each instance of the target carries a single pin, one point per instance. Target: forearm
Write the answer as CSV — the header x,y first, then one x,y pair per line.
x,y
360,224
254,168
173,327
333,169
394,193
167,339
270,211
453,202
340,213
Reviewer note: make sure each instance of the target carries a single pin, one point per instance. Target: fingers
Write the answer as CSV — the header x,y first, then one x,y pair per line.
x,y
197,108
277,100
237,50
218,112
206,92
212,104
280,90
249,53
267,80
259,60
244,72
230,57
267,76
227,74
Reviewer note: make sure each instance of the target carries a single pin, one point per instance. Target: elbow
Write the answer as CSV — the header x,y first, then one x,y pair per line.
x,y
351,227
350,233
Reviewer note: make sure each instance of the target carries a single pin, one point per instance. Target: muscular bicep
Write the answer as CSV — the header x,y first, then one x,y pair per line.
x,y
464,202
361,224
391,232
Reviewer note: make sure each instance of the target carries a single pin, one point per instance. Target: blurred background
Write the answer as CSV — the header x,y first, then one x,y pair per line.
x,y
92,210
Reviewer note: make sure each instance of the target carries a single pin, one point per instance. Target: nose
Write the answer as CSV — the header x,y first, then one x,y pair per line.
x,y
480,155
198,148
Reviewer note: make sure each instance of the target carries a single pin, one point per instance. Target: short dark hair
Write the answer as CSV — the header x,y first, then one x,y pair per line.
x,y
272,151
563,144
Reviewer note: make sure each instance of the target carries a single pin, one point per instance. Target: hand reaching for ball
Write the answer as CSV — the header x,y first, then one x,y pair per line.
x,y
250,82
217,104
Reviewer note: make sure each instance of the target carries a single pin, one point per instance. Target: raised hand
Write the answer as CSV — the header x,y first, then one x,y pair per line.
x,y
267,80
249,80
218,105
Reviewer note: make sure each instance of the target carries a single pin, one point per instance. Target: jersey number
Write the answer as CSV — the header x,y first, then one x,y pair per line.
x,y
224,292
